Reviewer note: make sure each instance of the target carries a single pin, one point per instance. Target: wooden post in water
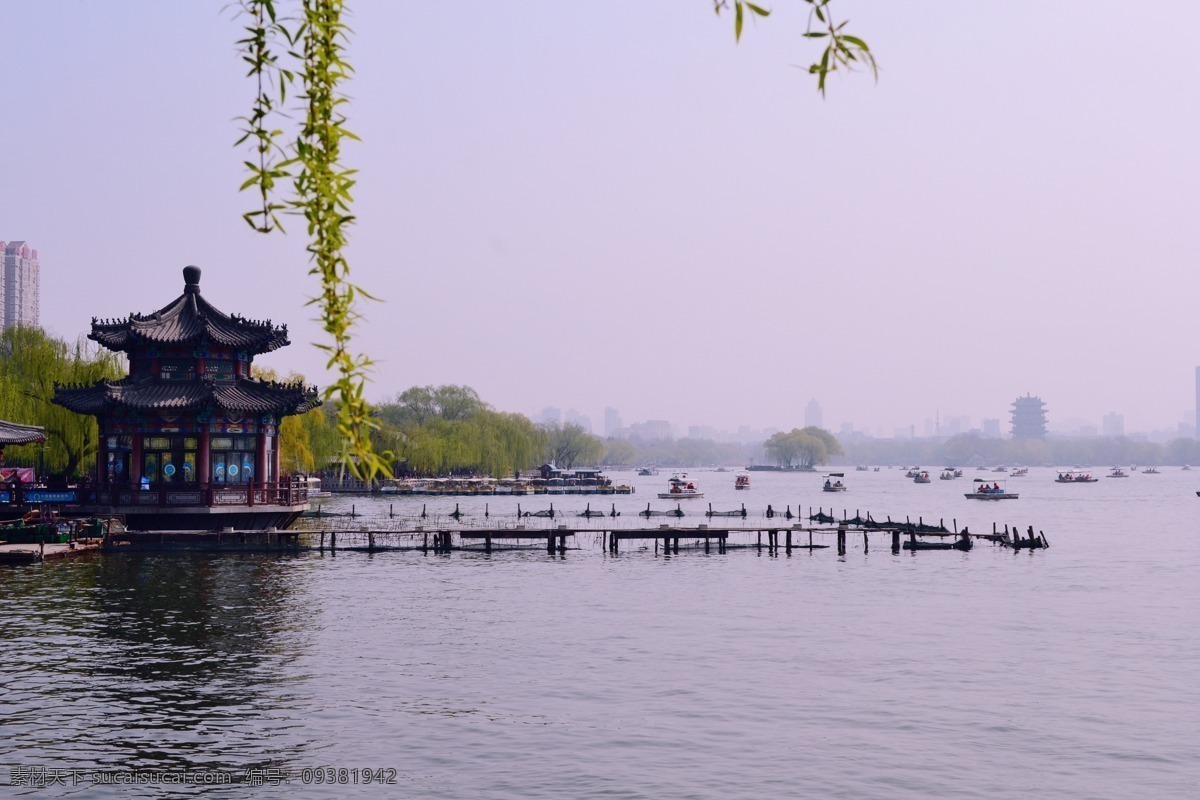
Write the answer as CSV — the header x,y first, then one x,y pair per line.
x,y
789,541
759,541
370,541
322,548
390,514
487,544
550,543
895,540
332,541
706,544
425,542
866,544
562,543
841,539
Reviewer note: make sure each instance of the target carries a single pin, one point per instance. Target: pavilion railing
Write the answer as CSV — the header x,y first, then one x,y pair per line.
x,y
287,492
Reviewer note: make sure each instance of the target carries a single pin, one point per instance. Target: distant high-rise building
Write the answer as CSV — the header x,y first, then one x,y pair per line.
x,y
1198,401
651,430
812,414
991,428
1028,418
20,285
612,422
550,416
1114,424
579,418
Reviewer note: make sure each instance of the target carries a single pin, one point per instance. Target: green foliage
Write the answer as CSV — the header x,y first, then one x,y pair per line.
x,y
448,430
315,41
569,445
31,363
842,50
805,447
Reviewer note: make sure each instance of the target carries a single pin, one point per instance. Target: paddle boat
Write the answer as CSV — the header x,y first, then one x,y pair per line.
x,y
922,477
680,488
741,482
833,482
1117,472
985,490
1071,476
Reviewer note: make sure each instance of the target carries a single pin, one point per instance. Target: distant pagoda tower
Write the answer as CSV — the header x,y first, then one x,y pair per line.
x,y
190,439
1028,418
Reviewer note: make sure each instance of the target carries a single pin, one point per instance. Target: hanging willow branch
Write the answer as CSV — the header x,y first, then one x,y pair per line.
x,y
315,40
321,184
842,51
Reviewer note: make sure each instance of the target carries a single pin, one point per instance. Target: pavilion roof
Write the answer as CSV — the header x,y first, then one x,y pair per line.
x,y
189,319
150,394
13,433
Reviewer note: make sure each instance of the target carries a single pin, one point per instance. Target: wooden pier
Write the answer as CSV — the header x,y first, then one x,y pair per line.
x,y
27,553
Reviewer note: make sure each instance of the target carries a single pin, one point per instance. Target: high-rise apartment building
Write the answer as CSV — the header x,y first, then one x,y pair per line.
x,y
20,285
1113,424
612,421
1198,402
812,414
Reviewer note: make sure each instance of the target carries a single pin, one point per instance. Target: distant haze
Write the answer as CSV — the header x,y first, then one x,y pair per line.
x,y
584,205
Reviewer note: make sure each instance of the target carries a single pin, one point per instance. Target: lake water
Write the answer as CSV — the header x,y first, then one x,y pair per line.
x,y
1070,672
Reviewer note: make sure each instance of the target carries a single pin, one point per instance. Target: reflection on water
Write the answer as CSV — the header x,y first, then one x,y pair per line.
x,y
151,662
1066,673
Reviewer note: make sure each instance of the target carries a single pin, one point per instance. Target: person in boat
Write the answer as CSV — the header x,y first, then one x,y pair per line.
x,y
691,487
995,487
828,485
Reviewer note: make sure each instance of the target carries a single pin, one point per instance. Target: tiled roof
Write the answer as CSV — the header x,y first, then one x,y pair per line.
x,y
150,394
12,433
189,319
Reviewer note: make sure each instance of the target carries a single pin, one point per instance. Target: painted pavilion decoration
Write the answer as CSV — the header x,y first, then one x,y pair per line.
x,y
190,419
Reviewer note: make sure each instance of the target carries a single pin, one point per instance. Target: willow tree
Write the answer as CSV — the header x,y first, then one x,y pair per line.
x,y
299,47
31,363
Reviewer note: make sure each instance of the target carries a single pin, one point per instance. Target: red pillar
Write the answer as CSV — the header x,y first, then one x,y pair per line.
x,y
202,457
135,461
260,456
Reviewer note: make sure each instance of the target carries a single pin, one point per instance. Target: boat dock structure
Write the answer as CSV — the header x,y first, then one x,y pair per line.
x,y
554,531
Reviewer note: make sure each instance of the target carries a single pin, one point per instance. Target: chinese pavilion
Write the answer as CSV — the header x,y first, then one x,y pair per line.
x,y
190,439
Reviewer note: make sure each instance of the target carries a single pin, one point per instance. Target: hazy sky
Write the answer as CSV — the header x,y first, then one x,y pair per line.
x,y
583,204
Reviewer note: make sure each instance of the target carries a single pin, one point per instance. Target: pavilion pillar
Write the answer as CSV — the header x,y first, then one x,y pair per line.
x,y
202,457
102,460
135,460
260,456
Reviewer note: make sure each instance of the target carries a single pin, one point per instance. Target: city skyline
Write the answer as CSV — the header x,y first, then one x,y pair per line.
x,y
687,231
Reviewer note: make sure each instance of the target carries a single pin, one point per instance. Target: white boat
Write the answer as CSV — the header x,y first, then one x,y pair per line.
x,y
833,482
680,488
1150,471
1071,476
1117,472
315,492
742,482
993,492
1019,472
922,477
947,475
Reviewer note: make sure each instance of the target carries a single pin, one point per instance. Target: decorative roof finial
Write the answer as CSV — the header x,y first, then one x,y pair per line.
x,y
191,279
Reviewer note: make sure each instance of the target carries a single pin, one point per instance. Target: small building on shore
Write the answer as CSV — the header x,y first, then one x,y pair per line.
x,y
190,438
